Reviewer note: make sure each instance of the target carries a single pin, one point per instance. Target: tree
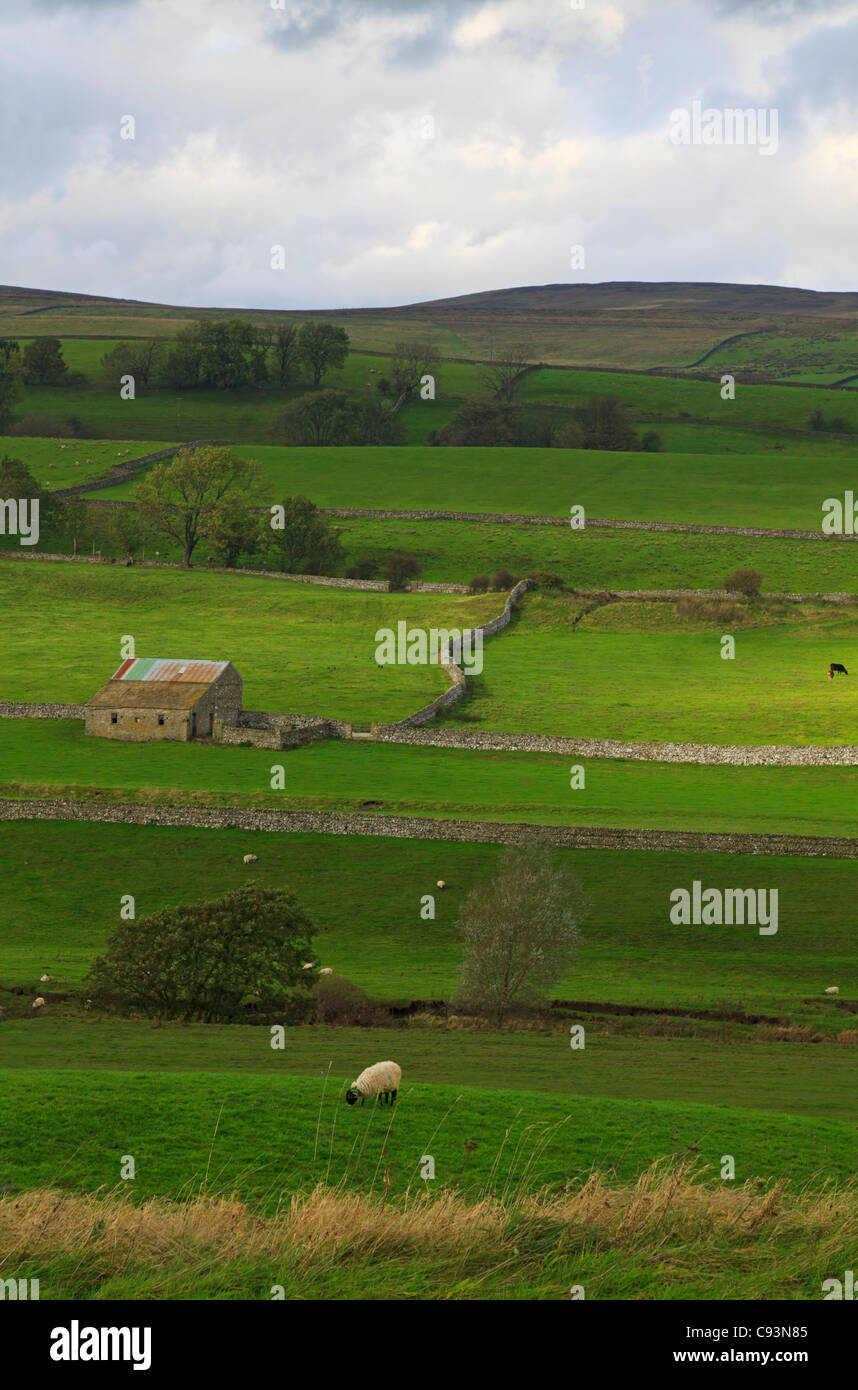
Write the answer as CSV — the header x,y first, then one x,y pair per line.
x,y
139,359
10,378
504,371
236,532
323,418
17,481
42,363
398,569
76,519
606,424
744,581
519,931
205,960
482,422
322,346
410,361
306,542
335,418
259,346
570,435
286,355
187,497
125,530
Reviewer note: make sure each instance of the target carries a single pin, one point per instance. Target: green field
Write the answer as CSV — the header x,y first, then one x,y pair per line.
x,y
63,882
602,559
737,490
42,758
61,463
298,647
641,671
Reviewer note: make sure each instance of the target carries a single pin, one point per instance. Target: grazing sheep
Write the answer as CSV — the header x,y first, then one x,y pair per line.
x,y
44,979
309,965
326,971
251,858
440,883
38,1002
833,989
382,1080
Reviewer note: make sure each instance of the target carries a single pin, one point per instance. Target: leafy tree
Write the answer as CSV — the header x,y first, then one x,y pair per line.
x,y
652,442
306,543
335,418
205,960
519,931
42,363
286,354
188,497
505,370
570,435
10,379
816,419
482,422
323,418
77,517
236,532
259,346
606,424
126,530
411,360
321,347
140,359
16,480
399,568
744,581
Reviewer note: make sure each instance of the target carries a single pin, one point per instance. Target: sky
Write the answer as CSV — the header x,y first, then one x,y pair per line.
x,y
345,153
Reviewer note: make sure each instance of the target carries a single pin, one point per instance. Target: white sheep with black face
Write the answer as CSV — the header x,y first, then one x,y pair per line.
x,y
381,1079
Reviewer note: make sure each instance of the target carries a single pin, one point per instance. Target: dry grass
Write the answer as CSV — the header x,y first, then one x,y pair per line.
x,y
671,1203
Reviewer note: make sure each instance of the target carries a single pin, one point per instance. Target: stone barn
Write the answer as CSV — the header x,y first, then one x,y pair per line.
x,y
156,698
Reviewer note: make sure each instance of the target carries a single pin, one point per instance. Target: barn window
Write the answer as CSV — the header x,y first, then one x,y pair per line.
x,y
114,718
160,718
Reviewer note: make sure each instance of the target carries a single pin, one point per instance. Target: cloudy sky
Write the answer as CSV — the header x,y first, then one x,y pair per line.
x,y
403,150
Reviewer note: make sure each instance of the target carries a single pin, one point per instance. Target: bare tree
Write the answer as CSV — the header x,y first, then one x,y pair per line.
x,y
410,361
520,931
505,369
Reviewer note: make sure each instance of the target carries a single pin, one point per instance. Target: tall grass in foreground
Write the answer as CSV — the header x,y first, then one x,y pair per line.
x,y
671,1234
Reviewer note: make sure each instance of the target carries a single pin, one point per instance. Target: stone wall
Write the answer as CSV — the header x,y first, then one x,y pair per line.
x,y
733,755
459,687
12,709
423,828
124,472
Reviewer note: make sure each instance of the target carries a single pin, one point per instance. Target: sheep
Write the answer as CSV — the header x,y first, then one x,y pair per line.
x,y
309,965
382,1080
38,1002
833,989
44,979
326,971
440,884
251,858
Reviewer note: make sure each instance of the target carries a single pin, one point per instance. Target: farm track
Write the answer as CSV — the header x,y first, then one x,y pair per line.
x,y
424,828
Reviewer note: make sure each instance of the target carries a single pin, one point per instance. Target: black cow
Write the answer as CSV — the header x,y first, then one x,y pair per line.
x,y
835,669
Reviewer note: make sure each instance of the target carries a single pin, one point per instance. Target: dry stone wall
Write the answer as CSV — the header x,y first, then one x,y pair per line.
x,y
423,828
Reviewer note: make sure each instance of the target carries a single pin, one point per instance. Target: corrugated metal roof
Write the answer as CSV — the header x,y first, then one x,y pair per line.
x,y
125,694
160,668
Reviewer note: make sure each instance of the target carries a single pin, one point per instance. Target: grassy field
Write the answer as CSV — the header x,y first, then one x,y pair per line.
x,y
642,671
63,882
602,559
42,758
737,490
61,463
670,1235
298,647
